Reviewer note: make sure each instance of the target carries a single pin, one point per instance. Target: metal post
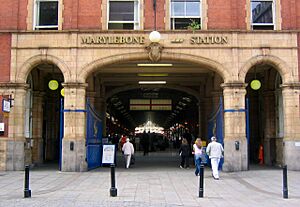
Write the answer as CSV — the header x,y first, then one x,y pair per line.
x,y
27,192
284,178
113,189
201,181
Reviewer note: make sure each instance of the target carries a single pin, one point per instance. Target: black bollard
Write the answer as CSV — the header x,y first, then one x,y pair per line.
x,y
27,192
113,189
201,181
284,178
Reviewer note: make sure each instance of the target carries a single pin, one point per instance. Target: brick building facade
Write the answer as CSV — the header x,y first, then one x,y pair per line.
x,y
81,43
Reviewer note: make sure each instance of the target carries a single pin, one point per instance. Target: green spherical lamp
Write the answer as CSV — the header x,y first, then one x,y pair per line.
x,y
53,85
255,84
62,92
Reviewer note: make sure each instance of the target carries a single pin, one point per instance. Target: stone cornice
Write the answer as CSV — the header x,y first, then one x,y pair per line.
x,y
10,85
75,85
294,85
234,85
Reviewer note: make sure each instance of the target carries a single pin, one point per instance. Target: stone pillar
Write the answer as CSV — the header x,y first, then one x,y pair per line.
x,y
269,127
13,146
291,140
74,139
37,129
235,127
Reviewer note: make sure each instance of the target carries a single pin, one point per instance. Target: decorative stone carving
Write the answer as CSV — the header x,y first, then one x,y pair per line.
x,y
154,50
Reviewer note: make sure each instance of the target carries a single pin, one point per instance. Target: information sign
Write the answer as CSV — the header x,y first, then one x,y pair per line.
x,y
108,155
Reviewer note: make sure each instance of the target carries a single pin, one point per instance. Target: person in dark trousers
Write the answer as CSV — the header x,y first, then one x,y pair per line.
x,y
145,142
184,152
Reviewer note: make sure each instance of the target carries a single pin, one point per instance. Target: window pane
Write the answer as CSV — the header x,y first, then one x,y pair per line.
x,y
193,9
178,9
121,11
263,27
48,13
183,23
262,12
120,26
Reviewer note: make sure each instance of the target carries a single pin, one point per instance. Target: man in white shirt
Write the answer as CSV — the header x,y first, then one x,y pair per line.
x,y
215,152
128,152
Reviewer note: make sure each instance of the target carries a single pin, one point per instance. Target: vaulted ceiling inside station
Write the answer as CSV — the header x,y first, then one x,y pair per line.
x,y
185,83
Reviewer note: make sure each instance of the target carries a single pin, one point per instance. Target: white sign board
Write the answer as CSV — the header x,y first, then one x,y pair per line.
x,y
108,155
1,127
5,106
297,144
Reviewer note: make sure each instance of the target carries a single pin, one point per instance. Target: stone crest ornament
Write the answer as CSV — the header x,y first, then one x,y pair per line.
x,y
154,51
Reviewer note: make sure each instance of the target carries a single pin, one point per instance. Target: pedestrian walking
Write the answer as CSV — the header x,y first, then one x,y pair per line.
x,y
145,142
197,152
128,151
184,152
215,152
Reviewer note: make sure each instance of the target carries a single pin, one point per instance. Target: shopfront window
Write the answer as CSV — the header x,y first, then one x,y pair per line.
x,y
46,15
123,14
262,14
185,13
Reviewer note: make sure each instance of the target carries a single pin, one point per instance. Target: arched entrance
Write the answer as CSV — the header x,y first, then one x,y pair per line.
x,y
266,121
42,114
192,89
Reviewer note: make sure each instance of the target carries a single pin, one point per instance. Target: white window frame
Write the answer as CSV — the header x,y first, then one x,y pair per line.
x,y
172,18
36,15
273,14
135,22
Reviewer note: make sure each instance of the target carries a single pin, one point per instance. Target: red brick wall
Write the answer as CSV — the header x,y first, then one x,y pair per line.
x,y
299,56
5,46
82,14
290,14
13,14
149,15
230,14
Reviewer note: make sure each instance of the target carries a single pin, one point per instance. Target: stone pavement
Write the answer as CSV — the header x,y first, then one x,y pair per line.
x,y
155,181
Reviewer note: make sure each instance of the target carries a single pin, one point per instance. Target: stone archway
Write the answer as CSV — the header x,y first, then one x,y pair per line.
x,y
281,66
265,108
25,69
166,56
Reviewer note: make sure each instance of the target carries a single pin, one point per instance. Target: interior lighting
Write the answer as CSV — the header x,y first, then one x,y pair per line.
x,y
153,74
152,82
154,64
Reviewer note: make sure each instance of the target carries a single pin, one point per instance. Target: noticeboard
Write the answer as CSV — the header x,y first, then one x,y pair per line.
x,y
5,106
108,155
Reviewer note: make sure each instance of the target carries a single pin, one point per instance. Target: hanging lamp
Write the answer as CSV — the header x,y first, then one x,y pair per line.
x,y
255,84
53,84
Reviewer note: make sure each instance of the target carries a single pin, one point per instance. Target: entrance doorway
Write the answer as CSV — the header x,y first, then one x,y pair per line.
x,y
176,96
265,115
42,116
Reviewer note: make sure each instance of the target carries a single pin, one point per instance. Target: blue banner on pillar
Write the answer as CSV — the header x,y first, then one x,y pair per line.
x,y
93,138
216,125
